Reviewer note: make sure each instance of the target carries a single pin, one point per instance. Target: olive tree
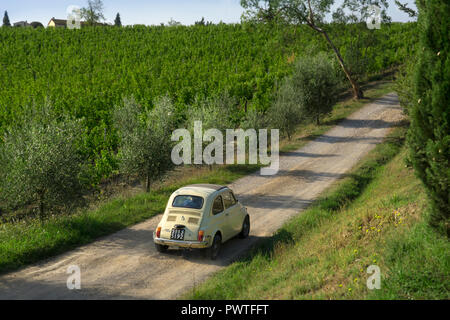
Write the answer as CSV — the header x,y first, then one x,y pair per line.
x,y
254,119
93,12
285,112
404,7
316,86
145,138
262,11
308,94
214,112
41,161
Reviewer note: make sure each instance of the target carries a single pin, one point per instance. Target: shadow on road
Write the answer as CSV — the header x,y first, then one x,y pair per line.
x,y
308,155
333,139
387,100
54,291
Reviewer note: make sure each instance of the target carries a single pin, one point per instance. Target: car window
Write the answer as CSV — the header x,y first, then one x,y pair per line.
x,y
234,197
217,205
186,201
228,199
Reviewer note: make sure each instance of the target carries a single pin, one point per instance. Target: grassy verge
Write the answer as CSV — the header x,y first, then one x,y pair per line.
x,y
375,216
30,240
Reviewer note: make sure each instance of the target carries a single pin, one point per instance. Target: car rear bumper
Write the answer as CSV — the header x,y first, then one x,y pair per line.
x,y
179,243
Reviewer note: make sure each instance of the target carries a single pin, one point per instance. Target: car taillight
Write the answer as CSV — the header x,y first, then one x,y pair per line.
x,y
201,234
158,232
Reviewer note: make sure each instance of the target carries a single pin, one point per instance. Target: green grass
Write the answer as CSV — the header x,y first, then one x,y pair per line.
x,y
375,216
418,265
30,240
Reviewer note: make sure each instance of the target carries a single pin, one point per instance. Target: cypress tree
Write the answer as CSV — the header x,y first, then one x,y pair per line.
x,y
117,21
6,22
429,134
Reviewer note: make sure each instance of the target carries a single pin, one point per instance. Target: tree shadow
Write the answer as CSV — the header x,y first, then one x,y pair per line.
x,y
324,138
357,123
11,290
307,155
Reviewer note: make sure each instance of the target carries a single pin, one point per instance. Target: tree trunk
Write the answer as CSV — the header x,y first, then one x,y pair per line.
x,y
357,92
147,186
41,207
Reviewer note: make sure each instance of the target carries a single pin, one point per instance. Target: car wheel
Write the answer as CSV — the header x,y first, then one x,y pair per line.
x,y
161,248
213,251
245,228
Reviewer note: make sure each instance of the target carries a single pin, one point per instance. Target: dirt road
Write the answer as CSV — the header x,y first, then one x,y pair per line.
x,y
125,265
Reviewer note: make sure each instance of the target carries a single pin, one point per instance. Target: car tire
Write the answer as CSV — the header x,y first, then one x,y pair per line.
x,y
245,228
213,251
161,248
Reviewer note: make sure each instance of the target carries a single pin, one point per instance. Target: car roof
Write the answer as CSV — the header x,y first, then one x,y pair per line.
x,y
205,189
214,187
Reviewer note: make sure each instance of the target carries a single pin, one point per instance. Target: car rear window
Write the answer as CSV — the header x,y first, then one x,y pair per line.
x,y
186,201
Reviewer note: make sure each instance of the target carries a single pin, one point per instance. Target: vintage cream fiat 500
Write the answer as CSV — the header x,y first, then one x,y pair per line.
x,y
201,216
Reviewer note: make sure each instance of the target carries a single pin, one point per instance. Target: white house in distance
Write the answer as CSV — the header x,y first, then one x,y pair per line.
x,y
57,23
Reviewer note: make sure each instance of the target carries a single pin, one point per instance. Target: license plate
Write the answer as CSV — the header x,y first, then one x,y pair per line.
x,y
177,234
